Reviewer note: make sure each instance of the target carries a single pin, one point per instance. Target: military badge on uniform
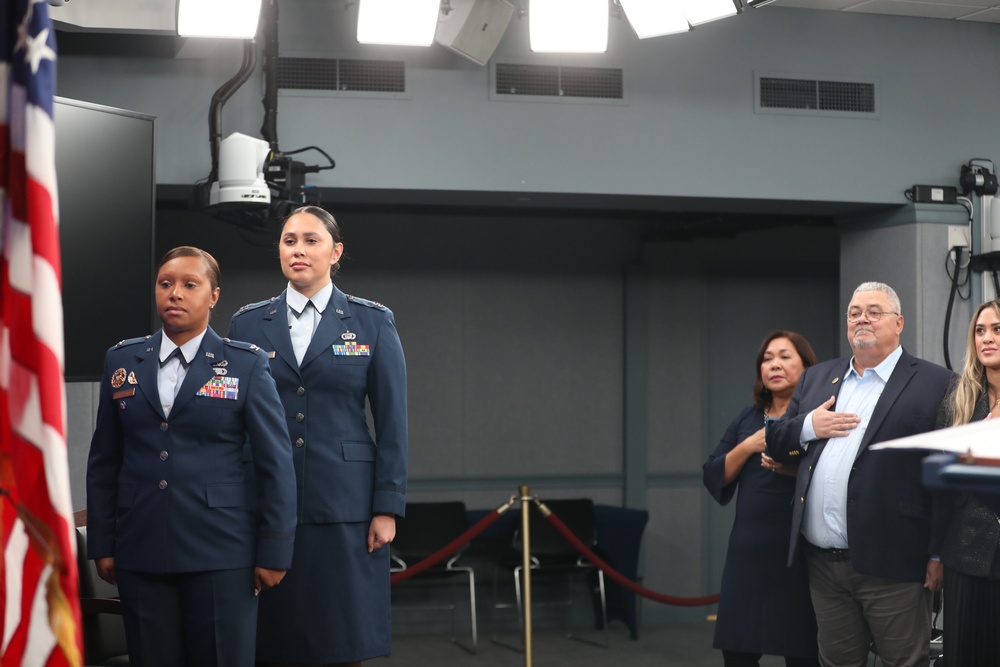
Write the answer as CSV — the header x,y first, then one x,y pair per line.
x,y
347,335
351,349
131,378
124,393
118,378
221,387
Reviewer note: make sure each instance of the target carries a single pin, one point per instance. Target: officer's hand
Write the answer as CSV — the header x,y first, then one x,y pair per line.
x,y
106,570
264,578
381,531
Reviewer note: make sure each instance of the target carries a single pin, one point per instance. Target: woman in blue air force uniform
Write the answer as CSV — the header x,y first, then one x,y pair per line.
x,y
169,516
329,353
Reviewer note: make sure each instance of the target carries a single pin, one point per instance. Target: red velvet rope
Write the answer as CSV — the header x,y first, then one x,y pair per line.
x,y
621,579
448,549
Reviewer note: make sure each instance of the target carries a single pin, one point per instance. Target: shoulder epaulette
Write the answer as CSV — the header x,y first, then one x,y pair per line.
x,y
253,306
366,302
240,344
132,341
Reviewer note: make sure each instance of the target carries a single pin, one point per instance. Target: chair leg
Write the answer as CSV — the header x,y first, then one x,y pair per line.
x,y
472,610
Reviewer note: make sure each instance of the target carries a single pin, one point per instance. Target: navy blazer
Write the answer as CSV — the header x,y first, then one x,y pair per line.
x,y
172,494
343,474
893,523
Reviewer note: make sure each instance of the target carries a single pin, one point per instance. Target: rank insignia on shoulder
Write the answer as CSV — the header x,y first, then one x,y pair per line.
x,y
118,378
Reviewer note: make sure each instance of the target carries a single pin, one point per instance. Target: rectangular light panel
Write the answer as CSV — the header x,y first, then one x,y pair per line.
x,y
652,18
398,22
232,19
568,26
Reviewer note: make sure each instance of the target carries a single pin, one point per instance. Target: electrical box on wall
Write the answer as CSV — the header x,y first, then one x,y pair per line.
x,y
934,194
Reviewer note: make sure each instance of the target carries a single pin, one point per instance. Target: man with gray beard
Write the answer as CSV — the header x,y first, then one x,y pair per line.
x,y
869,531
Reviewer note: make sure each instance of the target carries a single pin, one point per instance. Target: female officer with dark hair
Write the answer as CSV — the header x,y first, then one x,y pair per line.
x,y
331,352
169,513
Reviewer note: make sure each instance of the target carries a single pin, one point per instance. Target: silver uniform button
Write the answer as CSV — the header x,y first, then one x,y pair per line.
x,y
300,391
300,442
300,417
164,426
163,483
164,455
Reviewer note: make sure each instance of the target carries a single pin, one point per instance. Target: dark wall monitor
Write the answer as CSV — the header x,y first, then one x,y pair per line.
x,y
106,175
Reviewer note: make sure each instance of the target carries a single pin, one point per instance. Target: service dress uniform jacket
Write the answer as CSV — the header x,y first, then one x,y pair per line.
x,y
334,606
355,354
170,493
170,498
894,524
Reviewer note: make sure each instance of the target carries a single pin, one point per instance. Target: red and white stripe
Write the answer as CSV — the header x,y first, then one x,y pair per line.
x,y
38,589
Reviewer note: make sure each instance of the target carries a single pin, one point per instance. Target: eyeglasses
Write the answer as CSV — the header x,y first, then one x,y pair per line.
x,y
871,314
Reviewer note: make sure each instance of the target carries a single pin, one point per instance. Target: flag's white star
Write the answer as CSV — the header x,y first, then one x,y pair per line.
x,y
38,50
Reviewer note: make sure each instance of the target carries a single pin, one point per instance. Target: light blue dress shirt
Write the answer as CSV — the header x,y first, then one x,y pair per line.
x,y
171,375
303,321
824,521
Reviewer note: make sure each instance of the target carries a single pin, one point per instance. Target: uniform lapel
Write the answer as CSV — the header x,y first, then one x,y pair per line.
x,y
276,331
331,326
147,360
200,371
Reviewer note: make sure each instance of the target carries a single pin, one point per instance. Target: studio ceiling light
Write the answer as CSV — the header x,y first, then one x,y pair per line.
x,y
398,22
703,11
233,19
568,26
652,18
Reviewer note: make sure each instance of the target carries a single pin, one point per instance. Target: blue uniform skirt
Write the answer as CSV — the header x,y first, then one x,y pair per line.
x,y
333,605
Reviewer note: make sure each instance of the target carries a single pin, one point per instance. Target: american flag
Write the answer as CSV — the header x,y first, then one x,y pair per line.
x,y
40,610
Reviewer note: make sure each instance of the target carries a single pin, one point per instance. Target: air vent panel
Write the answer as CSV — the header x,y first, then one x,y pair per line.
x,y
555,81
342,74
818,96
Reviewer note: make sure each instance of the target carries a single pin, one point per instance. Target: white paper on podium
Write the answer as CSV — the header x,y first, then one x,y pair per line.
x,y
980,438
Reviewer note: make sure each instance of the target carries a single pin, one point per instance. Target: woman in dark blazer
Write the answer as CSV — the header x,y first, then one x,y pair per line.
x,y
971,551
330,353
170,518
764,607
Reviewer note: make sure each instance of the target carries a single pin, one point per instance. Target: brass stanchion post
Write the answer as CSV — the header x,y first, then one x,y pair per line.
x,y
525,491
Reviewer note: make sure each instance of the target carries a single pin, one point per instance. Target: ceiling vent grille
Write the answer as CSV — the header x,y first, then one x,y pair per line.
x,y
777,94
590,83
341,74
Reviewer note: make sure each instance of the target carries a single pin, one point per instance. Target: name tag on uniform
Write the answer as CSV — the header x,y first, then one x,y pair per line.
x,y
221,386
124,393
351,349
